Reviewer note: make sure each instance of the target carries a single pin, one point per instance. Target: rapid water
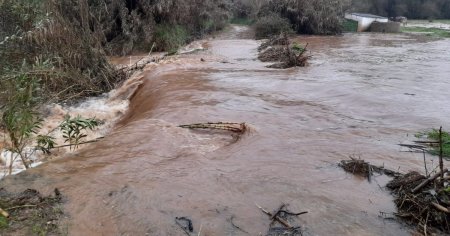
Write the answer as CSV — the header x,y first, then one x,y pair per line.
x,y
361,96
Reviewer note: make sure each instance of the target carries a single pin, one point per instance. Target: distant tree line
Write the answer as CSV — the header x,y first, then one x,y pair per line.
x,y
303,16
413,9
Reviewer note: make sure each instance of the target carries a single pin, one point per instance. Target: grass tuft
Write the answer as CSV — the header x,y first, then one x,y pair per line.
x,y
433,32
434,135
170,37
3,222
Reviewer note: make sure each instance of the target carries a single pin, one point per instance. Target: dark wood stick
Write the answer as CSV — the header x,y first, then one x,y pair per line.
x,y
441,208
282,221
441,156
425,182
278,211
237,227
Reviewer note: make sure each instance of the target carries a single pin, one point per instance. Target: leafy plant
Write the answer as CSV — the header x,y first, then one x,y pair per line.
x,y
73,129
434,135
45,143
270,25
170,37
242,21
20,117
298,48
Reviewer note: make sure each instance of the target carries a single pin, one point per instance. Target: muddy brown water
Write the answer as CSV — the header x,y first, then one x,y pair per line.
x,y
362,95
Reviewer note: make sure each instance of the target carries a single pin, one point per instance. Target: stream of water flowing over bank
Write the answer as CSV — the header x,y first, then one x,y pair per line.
x,y
362,95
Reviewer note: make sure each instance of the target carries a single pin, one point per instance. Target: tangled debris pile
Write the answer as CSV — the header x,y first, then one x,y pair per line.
x,y
280,49
30,213
280,225
422,200
363,168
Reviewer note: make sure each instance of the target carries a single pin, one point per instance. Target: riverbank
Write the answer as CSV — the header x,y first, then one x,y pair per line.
x,y
438,28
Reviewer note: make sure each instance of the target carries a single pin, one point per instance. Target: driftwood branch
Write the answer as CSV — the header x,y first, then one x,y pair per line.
x,y
233,127
277,218
237,227
427,181
441,155
87,142
440,207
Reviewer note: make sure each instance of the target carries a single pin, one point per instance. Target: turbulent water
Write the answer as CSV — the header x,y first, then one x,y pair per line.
x,y
361,96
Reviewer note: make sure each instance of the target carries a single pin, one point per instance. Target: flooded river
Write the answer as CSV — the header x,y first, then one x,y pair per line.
x,y
361,96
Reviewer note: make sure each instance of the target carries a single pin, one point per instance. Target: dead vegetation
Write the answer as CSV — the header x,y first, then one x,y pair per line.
x,y
281,221
30,213
365,169
280,49
422,200
238,128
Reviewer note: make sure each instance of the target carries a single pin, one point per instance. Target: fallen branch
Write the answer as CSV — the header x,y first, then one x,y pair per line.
x,y
233,127
277,218
87,142
293,214
427,181
237,227
440,207
413,146
23,206
277,213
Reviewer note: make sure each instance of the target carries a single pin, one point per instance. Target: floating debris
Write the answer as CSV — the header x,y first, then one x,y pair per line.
x,y
280,222
281,50
185,224
423,202
239,128
363,168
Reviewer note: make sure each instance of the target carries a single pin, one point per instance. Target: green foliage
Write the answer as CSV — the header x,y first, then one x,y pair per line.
x,y
242,21
309,16
350,26
39,230
434,136
170,37
45,143
20,112
73,129
271,25
433,32
3,222
298,48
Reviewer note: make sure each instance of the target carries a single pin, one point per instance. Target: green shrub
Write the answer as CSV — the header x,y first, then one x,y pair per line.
x,y
242,21
434,135
350,26
298,48
170,37
270,25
